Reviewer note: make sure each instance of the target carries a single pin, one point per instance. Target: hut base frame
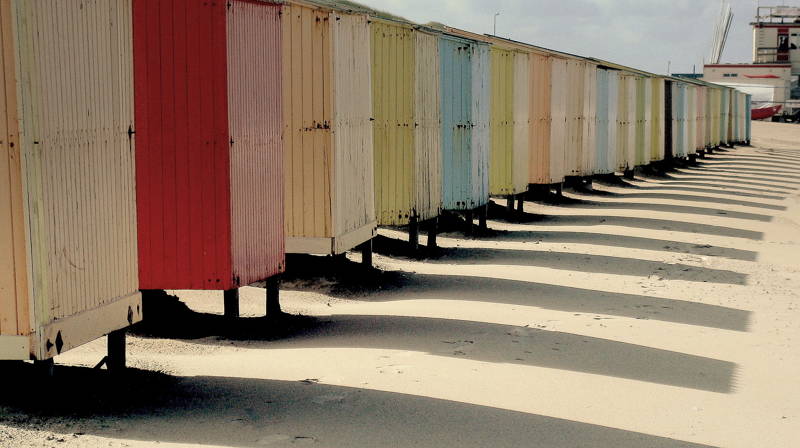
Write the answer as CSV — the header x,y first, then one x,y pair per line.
x,y
73,331
332,246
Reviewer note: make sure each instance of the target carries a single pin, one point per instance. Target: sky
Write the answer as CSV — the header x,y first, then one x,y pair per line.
x,y
645,34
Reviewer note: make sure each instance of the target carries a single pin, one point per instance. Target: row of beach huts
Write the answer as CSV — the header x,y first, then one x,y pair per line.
x,y
153,145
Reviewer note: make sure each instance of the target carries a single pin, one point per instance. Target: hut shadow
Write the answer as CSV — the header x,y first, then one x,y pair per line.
x,y
706,199
588,263
247,412
631,242
653,224
710,199
498,212
773,176
727,188
674,208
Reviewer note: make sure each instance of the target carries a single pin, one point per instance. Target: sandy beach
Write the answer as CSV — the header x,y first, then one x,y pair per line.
x,y
661,314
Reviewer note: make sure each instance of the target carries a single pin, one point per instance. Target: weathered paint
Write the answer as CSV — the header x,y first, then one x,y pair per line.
x,y
587,156
643,124
501,177
427,129
691,120
657,119
573,150
393,69
209,151
67,198
328,139
747,118
523,107
541,118
607,103
669,121
481,112
626,119
465,95
14,306
558,119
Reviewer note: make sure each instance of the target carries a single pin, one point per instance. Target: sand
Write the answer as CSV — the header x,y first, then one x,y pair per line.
x,y
659,315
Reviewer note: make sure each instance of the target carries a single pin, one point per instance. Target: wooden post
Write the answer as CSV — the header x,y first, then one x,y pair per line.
x,y
510,204
231,303
44,367
520,204
482,212
366,254
116,352
468,217
273,297
432,229
413,234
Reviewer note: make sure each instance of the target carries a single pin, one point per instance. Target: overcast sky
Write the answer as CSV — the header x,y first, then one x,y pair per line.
x,y
640,33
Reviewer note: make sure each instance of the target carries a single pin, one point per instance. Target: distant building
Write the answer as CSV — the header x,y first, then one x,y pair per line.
x,y
772,76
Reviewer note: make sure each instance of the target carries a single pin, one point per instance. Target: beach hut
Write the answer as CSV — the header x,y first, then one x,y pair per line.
x,y
559,94
465,105
68,265
607,103
644,112
208,96
748,118
669,119
626,122
328,132
407,147
657,108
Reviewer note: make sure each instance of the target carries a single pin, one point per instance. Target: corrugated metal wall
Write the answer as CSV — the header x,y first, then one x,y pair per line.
x,y
182,158
691,120
587,157
456,98
353,181
748,117
669,121
642,155
558,118
626,136
657,119
603,102
256,152
76,98
427,129
307,117
393,84
14,317
541,118
573,149
481,113
607,125
501,178
523,106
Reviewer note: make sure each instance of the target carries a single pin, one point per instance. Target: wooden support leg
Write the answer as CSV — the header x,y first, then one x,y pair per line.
x,y
628,174
44,368
559,189
366,254
520,204
432,229
468,217
231,303
510,203
482,212
273,297
116,352
587,182
413,234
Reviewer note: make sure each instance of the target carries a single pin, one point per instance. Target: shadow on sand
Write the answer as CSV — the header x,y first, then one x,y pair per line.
x,y
246,412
